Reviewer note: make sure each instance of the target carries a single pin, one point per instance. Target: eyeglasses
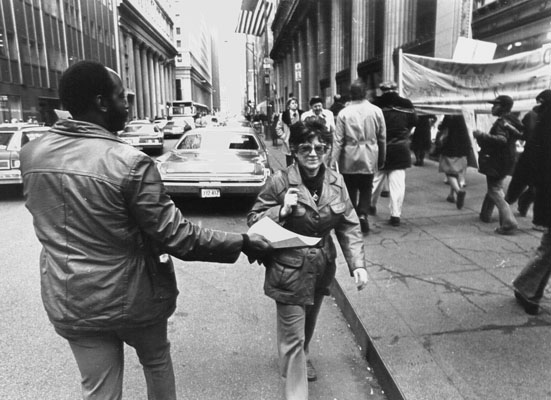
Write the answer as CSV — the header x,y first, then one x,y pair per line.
x,y
305,149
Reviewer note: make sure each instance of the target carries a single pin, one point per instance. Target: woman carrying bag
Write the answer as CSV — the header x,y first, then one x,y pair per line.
x,y
308,199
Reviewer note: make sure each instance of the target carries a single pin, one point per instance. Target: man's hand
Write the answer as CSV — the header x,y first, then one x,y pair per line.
x,y
256,247
477,133
360,277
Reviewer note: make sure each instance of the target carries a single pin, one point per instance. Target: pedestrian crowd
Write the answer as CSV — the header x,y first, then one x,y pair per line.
x,y
108,228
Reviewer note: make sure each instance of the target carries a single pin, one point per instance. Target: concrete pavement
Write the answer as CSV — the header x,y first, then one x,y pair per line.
x,y
438,319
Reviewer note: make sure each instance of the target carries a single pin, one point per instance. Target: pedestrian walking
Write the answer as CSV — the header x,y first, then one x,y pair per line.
x,y
339,103
521,187
530,284
454,148
400,118
496,160
359,149
107,225
421,138
317,109
308,199
288,117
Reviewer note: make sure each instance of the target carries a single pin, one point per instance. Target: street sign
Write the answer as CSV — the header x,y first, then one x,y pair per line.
x,y
298,72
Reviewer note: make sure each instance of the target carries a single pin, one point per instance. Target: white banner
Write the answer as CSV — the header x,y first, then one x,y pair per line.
x,y
442,86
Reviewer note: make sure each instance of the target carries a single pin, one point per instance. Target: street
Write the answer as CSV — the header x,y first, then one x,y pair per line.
x,y
222,333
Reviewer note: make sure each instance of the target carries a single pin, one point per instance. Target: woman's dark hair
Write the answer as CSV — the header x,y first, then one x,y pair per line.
x,y
305,131
81,83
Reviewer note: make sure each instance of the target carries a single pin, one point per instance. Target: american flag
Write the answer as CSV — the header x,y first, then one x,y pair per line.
x,y
253,16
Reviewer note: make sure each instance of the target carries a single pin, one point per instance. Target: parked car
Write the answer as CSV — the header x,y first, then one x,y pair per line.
x,y
12,138
160,122
215,162
177,126
143,136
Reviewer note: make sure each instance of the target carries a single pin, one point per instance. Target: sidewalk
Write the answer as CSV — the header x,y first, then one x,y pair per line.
x,y
438,319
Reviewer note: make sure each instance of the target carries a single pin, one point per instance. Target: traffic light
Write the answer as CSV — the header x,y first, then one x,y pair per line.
x,y
1,40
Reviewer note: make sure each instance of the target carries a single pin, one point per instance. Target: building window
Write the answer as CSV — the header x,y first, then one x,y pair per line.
x,y
178,43
177,31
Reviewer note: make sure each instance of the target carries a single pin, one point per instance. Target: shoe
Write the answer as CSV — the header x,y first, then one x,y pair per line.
x,y
364,224
530,307
505,231
372,210
450,198
394,221
460,199
385,193
539,228
485,219
310,371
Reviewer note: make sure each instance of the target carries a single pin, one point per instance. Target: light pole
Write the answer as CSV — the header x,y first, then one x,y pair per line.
x,y
251,47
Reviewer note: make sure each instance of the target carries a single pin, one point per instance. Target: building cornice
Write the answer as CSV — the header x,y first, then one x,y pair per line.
x,y
133,22
289,16
504,15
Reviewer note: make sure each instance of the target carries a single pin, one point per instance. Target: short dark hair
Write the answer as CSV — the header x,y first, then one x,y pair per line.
x,y
290,99
315,100
81,83
357,90
304,131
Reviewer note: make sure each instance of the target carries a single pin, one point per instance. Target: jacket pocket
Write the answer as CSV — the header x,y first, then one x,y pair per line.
x,y
338,208
292,258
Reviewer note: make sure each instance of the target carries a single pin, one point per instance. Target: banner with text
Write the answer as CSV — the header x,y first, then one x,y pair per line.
x,y
442,86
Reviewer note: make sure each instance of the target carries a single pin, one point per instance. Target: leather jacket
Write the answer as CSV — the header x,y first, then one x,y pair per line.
x,y
294,275
104,219
400,118
499,146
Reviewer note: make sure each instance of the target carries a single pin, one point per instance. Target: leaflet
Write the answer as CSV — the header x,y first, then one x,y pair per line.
x,y
280,237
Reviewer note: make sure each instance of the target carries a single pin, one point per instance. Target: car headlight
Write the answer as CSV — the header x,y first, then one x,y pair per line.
x,y
15,163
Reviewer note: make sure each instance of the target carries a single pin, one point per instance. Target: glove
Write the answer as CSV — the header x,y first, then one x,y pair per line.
x,y
256,247
360,277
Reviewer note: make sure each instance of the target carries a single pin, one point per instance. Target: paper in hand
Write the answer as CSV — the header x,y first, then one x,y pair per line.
x,y
280,237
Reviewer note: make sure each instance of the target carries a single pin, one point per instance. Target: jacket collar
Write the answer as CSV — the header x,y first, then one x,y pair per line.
x,y
331,188
71,127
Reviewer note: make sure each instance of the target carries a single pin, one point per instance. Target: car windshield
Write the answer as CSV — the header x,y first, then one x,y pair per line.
x,y
215,142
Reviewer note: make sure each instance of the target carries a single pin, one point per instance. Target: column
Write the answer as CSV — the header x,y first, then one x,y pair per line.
x,y
138,80
151,80
360,36
145,83
396,29
158,89
336,42
162,71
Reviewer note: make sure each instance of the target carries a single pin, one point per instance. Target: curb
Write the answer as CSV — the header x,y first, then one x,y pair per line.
x,y
367,348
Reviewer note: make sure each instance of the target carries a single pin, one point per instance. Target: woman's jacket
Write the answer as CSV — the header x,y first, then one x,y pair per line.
x,y
294,275
103,218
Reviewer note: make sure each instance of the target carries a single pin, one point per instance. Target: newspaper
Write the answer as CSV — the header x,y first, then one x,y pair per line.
x,y
280,237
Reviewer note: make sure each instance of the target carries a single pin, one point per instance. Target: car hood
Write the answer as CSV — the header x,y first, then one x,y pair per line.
x,y
200,162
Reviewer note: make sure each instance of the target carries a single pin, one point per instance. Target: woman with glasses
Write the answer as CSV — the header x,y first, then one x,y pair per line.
x,y
308,199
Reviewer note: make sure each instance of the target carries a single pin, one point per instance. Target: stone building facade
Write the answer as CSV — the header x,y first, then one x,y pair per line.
x,y
320,47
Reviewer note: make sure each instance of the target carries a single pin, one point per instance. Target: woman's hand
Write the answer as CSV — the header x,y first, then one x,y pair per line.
x,y
290,200
360,277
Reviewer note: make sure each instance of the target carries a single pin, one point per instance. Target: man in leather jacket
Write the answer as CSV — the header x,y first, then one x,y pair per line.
x,y
496,160
107,225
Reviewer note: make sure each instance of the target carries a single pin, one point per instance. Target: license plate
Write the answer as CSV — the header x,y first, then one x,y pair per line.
x,y
210,193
